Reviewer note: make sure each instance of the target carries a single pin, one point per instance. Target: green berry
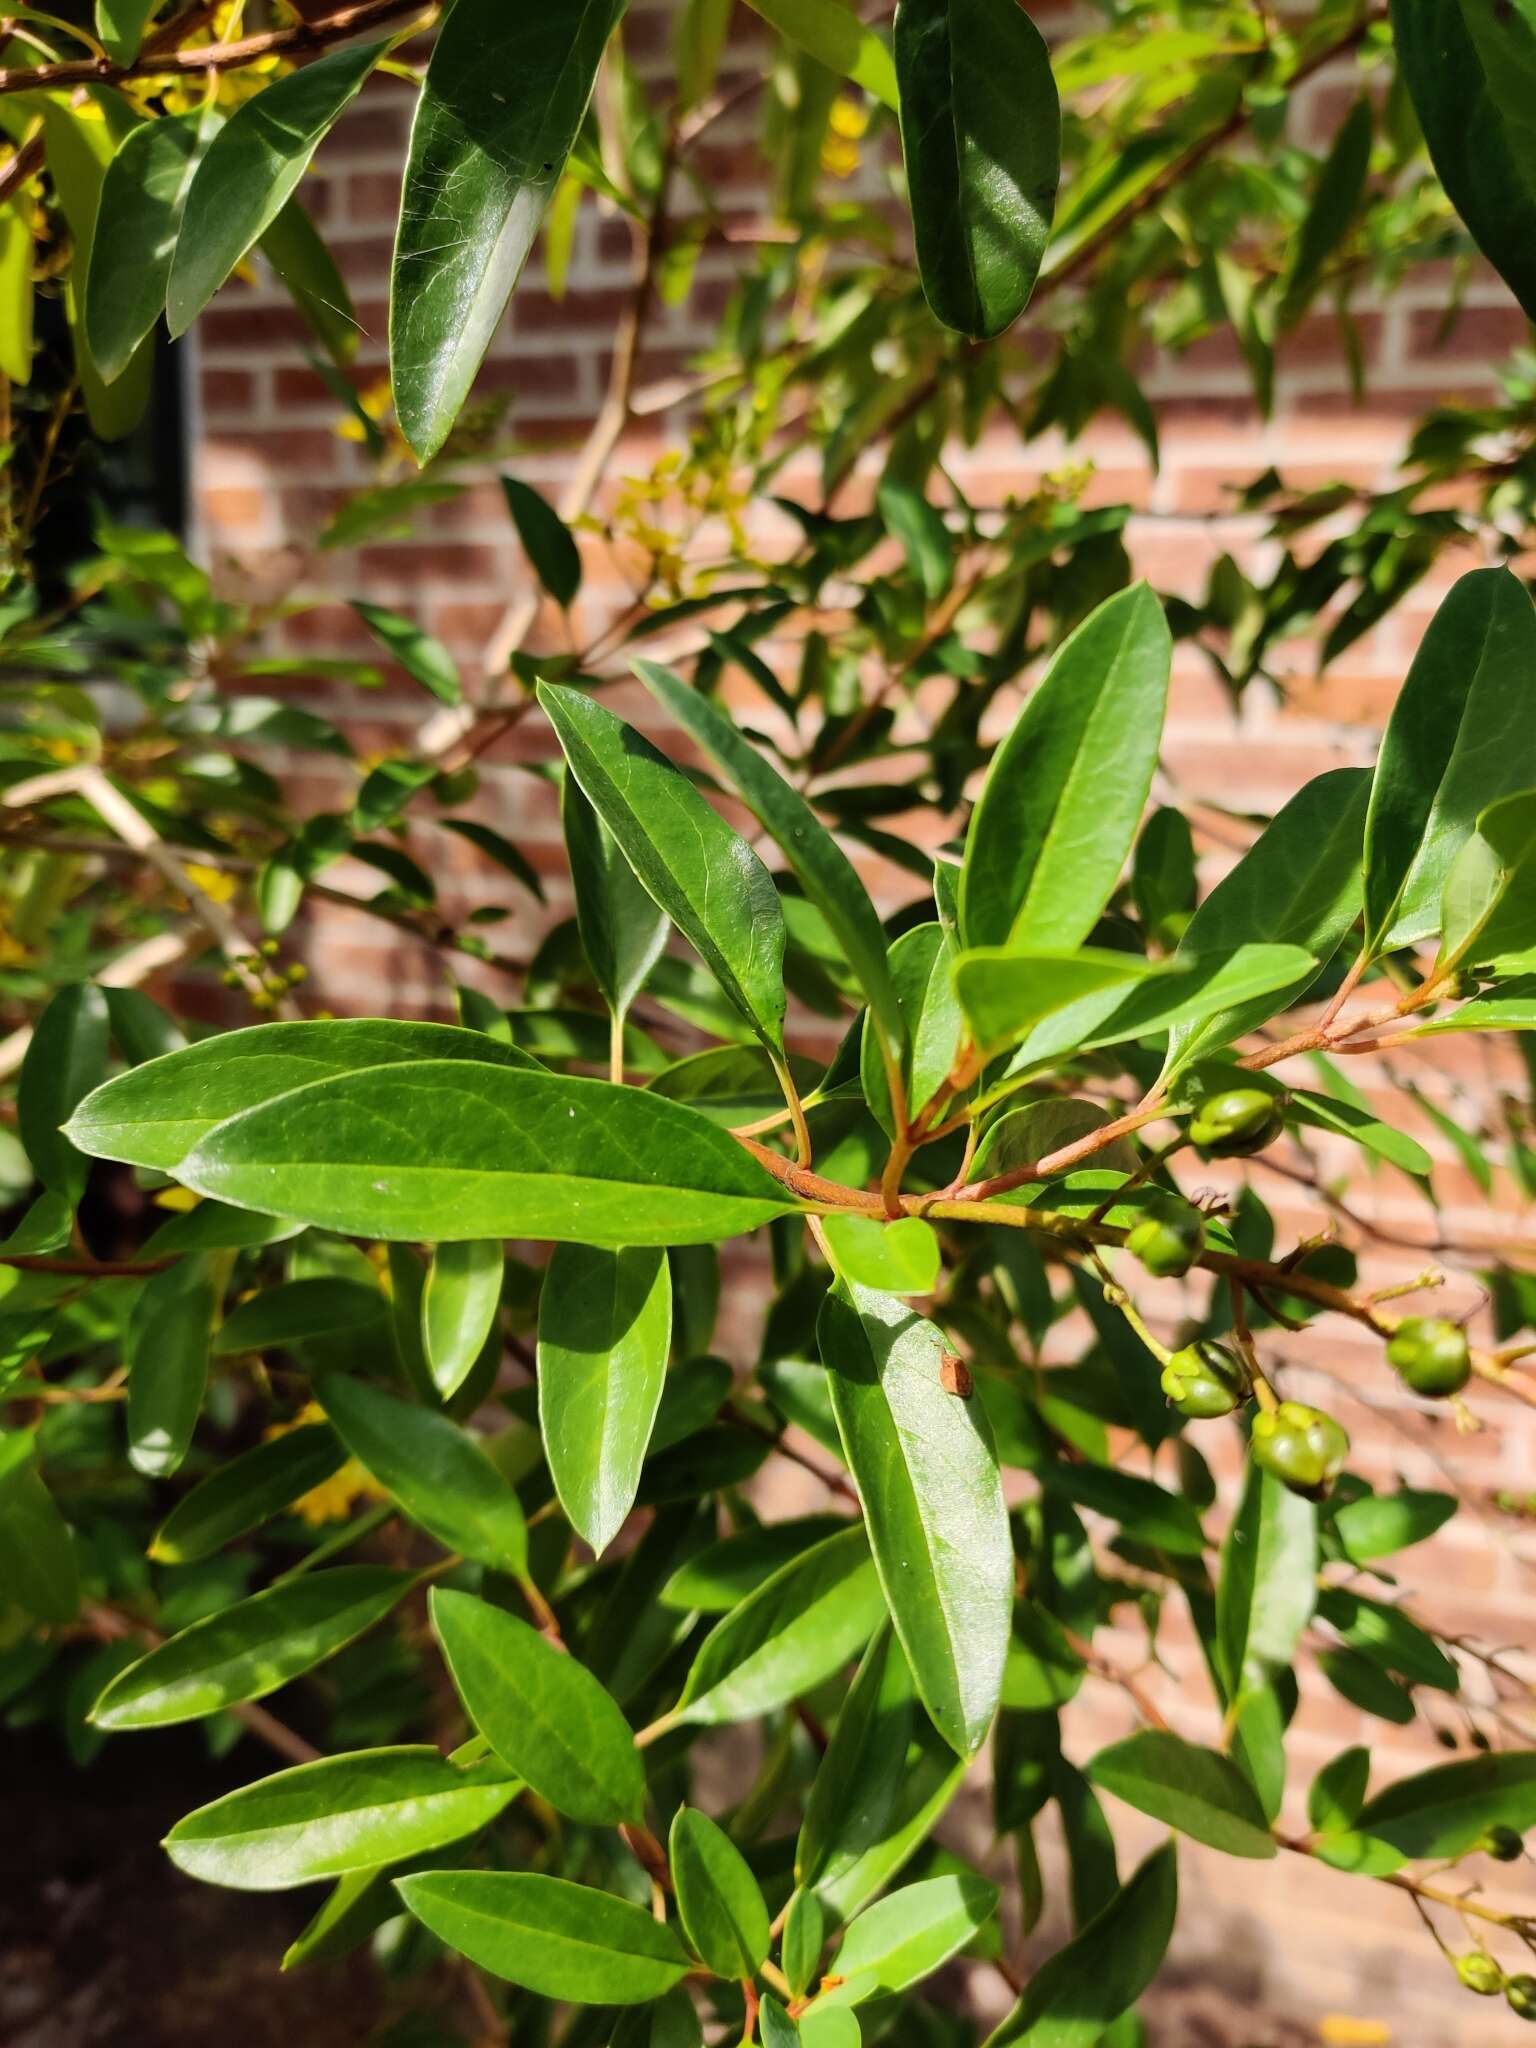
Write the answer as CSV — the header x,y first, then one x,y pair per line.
x,y
1503,1844
1303,1447
1236,1122
1431,1354
1168,1241
1480,1973
1521,1994
1205,1379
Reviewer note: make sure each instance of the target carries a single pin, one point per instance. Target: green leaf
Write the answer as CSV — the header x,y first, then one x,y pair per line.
x,y
706,878
1005,990
302,259
892,1258
1489,906
495,846
622,931
1461,735
418,653
805,1933
1390,1636
1509,1007
1371,1133
138,221
1336,200
1485,161
37,1550
546,540
925,539
1043,1670
342,1814
1442,1813
167,1358
301,1311
120,26
722,1575
484,165
542,1712
252,169
66,1057
1365,1685
907,1936
774,2024
981,134
1064,797
1297,885
719,1901
17,291
1191,1789
605,1329
819,864
1267,1590
250,1649
458,1307
933,1501
154,1114
1337,1793
239,1496
435,1471
807,1621
141,1029
1084,1988
450,1149
1378,1524
921,968
671,2022
832,33
560,1940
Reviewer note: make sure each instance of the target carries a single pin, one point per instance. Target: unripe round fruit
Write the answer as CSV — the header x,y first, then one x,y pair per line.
x,y
1480,1973
1521,1994
1431,1354
1503,1844
1236,1122
1168,1242
1205,1379
1303,1447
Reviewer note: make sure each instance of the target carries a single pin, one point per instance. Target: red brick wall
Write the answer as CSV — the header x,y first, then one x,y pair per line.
x,y
1287,1941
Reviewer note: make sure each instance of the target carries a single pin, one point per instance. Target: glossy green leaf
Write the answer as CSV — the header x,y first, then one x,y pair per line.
x,y
1267,1589
1067,787
1337,1793
452,1149
803,1939
1336,200
1489,905
819,864
605,1329
560,1940
891,1258
925,539
1192,1789
701,873
671,2022
1005,990
37,1550
301,1311
342,1814
65,1059
250,1649
302,259
248,1490
542,1712
120,26
981,133
831,32
1509,1007
908,1935
1460,736
921,968
1378,1524
546,540
1442,1812
1043,1670
1080,1991
1390,1636
774,2025
158,1111
1355,1678
933,1501
484,164
497,847
418,652
139,219
807,1621
622,931
722,1575
252,169
17,292
1297,885
1486,163
434,1470
166,1354
458,1307
719,1901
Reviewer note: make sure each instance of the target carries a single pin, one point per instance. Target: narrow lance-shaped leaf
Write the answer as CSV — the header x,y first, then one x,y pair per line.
x,y
240,1495
1336,200
120,26
907,1936
1268,1585
1067,787
65,1059
37,1550
167,1359
831,32
301,257
252,170
17,292
719,1901
1195,1790
927,1473
701,873
981,134
142,197
417,651
542,1711
546,540
1489,905
1442,1812
484,164
458,1307
921,966
622,930
605,1329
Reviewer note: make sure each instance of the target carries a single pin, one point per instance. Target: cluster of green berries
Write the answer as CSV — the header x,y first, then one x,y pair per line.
x,y
1480,1973
271,982
1431,1354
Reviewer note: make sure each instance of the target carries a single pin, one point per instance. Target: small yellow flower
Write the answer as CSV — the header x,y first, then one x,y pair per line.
x,y
213,882
334,1498
849,118
839,157
1338,2030
178,1200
